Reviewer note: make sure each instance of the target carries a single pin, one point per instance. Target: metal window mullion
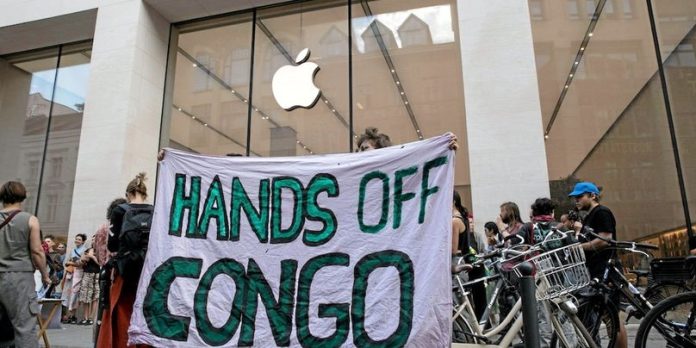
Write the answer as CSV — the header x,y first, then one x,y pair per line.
x,y
670,119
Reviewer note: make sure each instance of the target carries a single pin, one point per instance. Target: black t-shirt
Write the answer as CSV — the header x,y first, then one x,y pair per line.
x,y
601,220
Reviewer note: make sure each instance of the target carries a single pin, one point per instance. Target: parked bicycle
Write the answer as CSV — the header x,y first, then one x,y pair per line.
x,y
559,272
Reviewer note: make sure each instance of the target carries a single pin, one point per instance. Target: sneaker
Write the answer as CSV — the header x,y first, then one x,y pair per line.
x,y
90,322
72,320
83,322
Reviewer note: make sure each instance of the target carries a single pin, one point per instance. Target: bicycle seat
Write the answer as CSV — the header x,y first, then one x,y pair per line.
x,y
461,268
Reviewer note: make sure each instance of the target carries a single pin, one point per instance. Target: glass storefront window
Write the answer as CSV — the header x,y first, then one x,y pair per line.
x,y
282,33
42,98
407,74
395,87
676,28
211,88
605,119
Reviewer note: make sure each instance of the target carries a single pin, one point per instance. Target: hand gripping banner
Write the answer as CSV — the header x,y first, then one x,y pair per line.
x,y
344,250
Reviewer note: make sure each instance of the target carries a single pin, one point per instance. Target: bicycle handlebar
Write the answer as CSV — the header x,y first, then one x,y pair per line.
x,y
624,244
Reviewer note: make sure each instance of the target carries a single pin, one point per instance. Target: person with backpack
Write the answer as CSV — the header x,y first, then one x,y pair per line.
x,y
543,221
534,232
128,238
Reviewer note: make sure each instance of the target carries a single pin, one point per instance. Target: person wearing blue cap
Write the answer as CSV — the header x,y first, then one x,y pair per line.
x,y
601,220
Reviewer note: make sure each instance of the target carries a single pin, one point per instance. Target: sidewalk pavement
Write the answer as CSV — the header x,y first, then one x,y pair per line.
x,y
77,336
70,336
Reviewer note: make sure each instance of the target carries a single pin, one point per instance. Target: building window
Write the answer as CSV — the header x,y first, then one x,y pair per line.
x,y
683,56
572,9
33,172
57,167
202,81
590,7
627,9
51,207
236,70
536,9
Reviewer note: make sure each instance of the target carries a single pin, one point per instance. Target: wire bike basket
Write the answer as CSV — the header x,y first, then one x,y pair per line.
x,y
558,271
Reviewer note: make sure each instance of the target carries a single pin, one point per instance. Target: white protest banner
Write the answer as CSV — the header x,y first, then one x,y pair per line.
x,y
321,251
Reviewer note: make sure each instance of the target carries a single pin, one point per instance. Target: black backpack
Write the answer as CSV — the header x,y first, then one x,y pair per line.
x,y
135,234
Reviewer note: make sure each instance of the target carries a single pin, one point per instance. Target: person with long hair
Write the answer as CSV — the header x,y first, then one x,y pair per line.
x,y
510,220
116,318
460,226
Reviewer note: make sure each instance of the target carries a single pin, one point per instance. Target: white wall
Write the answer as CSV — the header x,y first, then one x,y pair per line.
x,y
21,11
121,124
507,157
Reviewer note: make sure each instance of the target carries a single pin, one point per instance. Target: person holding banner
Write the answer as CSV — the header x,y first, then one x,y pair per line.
x,y
372,139
116,318
20,253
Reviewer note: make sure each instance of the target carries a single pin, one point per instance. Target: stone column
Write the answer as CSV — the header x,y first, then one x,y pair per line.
x,y
121,124
507,157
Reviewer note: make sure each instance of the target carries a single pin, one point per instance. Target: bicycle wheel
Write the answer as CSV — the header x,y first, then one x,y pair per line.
x,y
461,331
672,323
601,319
657,292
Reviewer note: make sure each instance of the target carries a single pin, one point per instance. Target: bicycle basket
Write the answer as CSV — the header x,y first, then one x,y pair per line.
x,y
672,269
559,271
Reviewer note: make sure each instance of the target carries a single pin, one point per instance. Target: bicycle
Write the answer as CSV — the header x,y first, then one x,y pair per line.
x,y
670,276
558,272
673,319
597,310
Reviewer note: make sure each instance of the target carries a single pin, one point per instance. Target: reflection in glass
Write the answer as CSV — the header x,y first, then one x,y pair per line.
x,y
25,103
400,91
606,123
282,33
42,98
397,85
676,27
211,89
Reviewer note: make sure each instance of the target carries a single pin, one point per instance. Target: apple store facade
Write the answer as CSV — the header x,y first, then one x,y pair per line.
x,y
541,94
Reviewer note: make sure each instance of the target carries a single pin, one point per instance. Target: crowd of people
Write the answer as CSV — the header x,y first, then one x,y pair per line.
x,y
74,276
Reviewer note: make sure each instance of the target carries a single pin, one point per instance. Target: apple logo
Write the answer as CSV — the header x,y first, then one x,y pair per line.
x,y
293,85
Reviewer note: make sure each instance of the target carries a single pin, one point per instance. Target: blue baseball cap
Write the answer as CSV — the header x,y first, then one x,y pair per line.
x,y
582,188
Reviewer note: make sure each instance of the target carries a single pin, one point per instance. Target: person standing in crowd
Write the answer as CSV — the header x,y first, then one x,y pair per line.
x,y
492,236
76,277
601,220
89,290
509,221
461,236
101,237
20,254
55,267
465,242
116,318
59,260
534,232
372,139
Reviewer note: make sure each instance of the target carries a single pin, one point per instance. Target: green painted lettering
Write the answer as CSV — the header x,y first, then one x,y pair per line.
x,y
385,202
217,336
399,196
161,322
214,208
278,234
182,202
326,310
320,183
366,265
258,219
425,190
